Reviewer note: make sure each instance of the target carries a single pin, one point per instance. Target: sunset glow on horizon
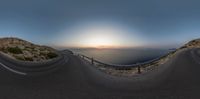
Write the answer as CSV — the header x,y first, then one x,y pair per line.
x,y
100,35
103,24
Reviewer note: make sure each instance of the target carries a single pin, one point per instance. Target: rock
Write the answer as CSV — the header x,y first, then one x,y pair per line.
x,y
20,46
27,54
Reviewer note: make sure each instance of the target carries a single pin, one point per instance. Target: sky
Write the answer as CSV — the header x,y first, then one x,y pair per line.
x,y
95,23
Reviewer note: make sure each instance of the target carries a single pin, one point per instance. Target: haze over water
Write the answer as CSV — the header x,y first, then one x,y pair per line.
x,y
122,56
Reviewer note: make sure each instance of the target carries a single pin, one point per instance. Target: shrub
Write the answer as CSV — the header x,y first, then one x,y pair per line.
x,y
19,58
28,59
4,50
51,55
14,50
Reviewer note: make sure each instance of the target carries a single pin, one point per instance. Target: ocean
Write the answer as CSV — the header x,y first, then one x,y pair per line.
x,y
123,56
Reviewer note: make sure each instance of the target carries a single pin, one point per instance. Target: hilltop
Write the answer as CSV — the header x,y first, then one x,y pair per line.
x,y
192,44
26,51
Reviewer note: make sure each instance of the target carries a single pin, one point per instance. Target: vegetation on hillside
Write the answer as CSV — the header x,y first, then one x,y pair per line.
x,y
14,50
26,51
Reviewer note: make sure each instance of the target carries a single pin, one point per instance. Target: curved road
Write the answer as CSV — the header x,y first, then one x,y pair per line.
x,y
77,79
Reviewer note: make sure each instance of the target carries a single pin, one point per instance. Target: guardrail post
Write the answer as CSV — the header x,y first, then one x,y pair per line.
x,y
82,56
139,69
92,60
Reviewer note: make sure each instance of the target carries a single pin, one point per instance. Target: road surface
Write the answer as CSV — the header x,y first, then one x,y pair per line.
x,y
77,79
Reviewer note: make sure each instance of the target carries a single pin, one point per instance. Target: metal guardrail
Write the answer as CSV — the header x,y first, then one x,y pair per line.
x,y
125,67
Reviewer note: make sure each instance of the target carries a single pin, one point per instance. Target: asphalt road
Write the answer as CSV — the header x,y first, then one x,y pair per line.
x,y
77,79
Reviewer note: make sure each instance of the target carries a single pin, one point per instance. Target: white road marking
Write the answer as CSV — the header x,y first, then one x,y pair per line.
x,y
12,70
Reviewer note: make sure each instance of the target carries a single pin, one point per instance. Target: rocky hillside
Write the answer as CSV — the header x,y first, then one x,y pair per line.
x,y
26,51
192,44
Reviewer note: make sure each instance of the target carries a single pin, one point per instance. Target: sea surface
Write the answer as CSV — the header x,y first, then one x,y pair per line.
x,y
123,56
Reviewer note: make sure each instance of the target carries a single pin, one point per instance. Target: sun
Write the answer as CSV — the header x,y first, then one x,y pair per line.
x,y
101,41
100,38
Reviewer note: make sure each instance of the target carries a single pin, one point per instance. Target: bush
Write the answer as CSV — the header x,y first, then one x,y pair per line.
x,y
51,55
4,50
28,59
14,50
19,58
